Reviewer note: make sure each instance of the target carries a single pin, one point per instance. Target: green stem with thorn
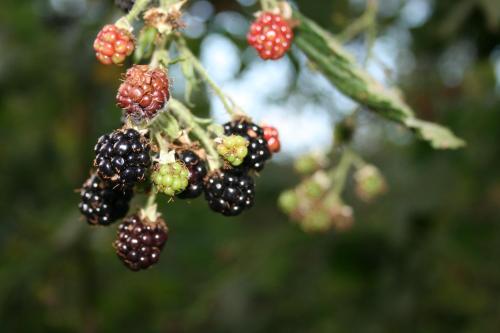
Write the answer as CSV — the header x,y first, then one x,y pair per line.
x,y
228,105
137,9
184,116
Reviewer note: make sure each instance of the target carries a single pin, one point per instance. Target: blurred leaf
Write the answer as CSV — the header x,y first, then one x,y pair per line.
x,y
339,67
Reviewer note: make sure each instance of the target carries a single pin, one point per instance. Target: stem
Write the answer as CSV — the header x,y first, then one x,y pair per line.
x,y
184,115
371,29
339,174
203,72
264,5
268,5
138,7
150,210
160,54
151,200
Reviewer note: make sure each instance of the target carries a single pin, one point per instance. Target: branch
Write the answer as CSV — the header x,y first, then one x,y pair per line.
x,y
338,66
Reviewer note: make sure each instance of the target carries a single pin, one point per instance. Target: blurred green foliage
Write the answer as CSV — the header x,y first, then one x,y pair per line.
x,y
424,258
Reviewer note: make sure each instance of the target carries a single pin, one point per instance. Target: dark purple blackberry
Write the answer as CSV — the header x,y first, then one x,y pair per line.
x,y
258,151
125,5
197,171
229,193
122,158
139,242
101,204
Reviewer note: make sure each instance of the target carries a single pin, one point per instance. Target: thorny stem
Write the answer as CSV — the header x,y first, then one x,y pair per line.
x,y
203,72
138,7
183,114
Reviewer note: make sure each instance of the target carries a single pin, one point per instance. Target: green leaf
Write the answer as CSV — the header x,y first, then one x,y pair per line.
x,y
340,68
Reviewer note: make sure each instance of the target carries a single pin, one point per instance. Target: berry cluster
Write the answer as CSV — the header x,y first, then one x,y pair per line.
x,y
122,157
112,45
156,148
140,241
271,35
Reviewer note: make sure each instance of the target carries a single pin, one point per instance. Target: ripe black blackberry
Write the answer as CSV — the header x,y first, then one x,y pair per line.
x,y
101,204
197,171
139,241
229,193
122,158
125,5
258,151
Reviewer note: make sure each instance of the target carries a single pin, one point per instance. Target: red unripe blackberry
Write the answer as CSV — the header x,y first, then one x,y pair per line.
x,y
258,151
112,45
139,241
271,35
101,204
122,157
229,193
125,5
197,171
143,92
271,135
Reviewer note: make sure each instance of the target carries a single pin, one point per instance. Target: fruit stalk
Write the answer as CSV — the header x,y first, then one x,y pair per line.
x,y
203,73
138,7
186,118
339,173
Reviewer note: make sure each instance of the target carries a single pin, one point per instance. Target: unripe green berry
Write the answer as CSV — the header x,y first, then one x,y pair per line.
x,y
369,183
171,178
233,149
316,221
288,201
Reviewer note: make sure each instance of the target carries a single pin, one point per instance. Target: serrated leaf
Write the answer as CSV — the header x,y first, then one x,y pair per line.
x,y
340,68
438,136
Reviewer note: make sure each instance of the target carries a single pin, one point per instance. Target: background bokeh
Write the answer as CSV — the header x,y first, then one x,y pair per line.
x,y
424,258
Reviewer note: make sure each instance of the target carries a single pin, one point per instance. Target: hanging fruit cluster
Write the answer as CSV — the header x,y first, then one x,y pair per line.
x,y
162,148
316,203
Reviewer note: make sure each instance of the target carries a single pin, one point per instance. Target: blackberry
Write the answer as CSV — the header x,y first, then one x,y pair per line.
x,y
229,193
258,150
125,5
101,204
122,157
139,241
197,171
